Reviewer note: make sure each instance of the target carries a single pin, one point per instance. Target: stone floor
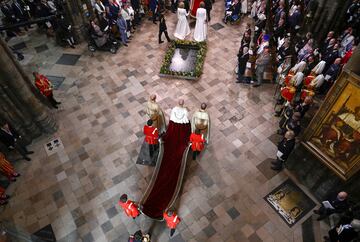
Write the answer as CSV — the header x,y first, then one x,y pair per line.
x,y
76,189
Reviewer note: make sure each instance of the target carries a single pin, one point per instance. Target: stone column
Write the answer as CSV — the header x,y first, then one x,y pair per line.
x,y
325,26
75,14
353,64
19,105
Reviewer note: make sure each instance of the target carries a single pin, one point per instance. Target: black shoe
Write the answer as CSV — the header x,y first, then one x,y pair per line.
x,y
154,22
169,40
27,158
30,152
256,85
276,168
320,218
56,107
72,46
316,211
238,81
275,162
58,102
160,42
125,45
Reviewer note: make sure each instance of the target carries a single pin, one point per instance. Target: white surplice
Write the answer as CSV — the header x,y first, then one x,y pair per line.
x,y
179,115
182,27
244,6
200,27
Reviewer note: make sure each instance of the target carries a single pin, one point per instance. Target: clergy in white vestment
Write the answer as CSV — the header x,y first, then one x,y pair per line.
x,y
200,27
179,114
244,6
182,27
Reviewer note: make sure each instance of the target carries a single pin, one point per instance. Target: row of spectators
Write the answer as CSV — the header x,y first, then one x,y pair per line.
x,y
305,68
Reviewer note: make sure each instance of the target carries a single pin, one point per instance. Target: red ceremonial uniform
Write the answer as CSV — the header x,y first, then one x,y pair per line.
x,y
197,142
171,221
287,80
288,93
151,135
44,85
308,80
305,93
130,208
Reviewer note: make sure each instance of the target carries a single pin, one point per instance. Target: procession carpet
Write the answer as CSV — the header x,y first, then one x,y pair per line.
x,y
166,182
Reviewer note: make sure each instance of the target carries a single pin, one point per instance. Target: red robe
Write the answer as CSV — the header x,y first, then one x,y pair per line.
x,y
130,208
44,85
197,142
172,221
288,93
308,80
151,135
287,80
346,57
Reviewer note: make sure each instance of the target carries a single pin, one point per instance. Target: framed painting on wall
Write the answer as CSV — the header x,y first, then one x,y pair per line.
x,y
333,134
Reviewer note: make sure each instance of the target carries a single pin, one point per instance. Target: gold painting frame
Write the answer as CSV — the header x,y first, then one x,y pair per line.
x,y
333,135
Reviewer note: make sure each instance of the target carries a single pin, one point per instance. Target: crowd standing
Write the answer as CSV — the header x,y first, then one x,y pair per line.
x,y
305,69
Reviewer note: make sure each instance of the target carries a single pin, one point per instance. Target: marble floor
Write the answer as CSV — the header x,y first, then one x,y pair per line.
x,y
76,188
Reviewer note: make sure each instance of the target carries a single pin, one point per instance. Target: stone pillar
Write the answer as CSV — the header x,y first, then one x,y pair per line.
x,y
76,15
318,13
19,105
353,64
326,25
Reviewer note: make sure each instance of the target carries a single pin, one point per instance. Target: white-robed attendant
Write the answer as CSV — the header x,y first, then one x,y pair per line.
x,y
200,27
244,6
179,114
182,27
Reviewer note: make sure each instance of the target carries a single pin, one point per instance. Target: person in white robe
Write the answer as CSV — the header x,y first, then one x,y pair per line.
x,y
200,27
244,6
201,121
179,114
182,28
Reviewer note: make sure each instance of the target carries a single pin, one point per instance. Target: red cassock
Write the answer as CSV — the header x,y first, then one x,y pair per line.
x,y
287,80
194,5
305,93
171,221
288,93
308,80
44,85
346,57
197,141
151,135
130,208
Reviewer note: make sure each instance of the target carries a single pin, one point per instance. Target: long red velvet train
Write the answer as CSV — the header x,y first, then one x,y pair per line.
x,y
168,174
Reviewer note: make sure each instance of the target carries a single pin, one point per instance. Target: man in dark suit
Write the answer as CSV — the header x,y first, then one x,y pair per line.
x,y
330,76
20,11
292,124
284,149
337,204
163,29
208,7
12,140
330,56
243,57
